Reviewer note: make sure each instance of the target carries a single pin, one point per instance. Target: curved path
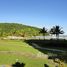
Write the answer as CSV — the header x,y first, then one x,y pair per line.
x,y
57,50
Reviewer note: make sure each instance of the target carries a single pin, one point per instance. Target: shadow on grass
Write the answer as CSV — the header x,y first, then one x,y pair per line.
x,y
18,64
54,48
45,65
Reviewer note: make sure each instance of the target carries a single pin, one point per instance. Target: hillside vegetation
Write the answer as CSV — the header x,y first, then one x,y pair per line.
x,y
11,50
15,29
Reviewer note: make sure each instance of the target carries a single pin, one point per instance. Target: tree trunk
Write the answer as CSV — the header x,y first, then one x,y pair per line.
x,y
44,35
57,36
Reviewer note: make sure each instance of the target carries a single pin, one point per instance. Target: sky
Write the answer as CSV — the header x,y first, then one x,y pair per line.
x,y
38,13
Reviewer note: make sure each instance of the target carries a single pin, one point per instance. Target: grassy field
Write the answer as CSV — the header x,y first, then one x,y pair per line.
x,y
11,50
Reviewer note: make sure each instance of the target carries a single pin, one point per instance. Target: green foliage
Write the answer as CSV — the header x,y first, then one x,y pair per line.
x,y
8,29
44,31
56,30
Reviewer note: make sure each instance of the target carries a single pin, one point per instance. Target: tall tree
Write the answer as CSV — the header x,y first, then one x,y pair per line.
x,y
56,30
43,31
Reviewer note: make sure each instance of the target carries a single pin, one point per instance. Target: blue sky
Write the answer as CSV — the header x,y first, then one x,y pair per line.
x,y
38,13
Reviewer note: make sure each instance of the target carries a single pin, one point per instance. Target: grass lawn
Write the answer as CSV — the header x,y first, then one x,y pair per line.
x,y
10,50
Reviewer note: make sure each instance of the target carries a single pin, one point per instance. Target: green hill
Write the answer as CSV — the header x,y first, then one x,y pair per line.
x,y
15,29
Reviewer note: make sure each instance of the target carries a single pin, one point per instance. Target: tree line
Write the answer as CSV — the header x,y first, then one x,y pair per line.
x,y
15,29
55,30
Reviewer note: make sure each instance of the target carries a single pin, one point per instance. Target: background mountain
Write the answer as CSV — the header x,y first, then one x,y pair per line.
x,y
15,29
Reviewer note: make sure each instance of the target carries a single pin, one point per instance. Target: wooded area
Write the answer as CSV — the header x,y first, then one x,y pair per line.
x,y
15,29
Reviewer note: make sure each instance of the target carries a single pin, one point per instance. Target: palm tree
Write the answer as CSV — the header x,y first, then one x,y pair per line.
x,y
44,31
56,30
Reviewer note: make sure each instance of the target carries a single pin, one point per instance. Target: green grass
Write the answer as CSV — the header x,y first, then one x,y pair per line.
x,y
10,50
16,45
